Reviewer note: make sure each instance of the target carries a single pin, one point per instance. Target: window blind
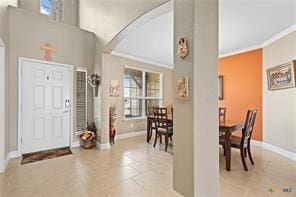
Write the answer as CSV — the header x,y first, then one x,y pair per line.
x,y
81,100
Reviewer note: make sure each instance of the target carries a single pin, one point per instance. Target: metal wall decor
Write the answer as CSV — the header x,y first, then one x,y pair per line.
x,y
183,48
94,81
48,49
183,89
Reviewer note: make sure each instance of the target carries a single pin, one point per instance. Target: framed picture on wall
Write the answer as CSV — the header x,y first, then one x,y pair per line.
x,y
282,76
220,87
114,88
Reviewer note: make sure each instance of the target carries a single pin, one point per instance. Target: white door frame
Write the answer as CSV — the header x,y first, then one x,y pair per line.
x,y
20,76
2,107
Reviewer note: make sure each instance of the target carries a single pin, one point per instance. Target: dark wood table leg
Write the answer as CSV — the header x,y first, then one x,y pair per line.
x,y
148,129
228,150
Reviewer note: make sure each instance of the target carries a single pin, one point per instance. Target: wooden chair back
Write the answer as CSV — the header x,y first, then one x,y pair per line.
x,y
222,114
249,126
160,117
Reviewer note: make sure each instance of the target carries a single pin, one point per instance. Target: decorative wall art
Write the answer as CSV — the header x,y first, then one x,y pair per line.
x,y
94,81
48,49
57,12
282,76
220,87
112,118
183,48
183,89
114,88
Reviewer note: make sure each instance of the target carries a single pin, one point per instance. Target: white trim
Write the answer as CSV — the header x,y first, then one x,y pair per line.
x,y
274,149
10,155
14,154
143,69
115,53
279,151
102,146
75,144
130,135
239,51
264,44
257,143
2,43
279,36
2,107
20,68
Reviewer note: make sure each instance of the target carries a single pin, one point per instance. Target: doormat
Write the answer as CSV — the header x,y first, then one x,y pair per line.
x,y
44,155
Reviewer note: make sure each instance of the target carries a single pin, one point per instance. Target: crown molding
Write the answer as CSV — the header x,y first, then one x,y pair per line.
x,y
262,45
279,36
239,51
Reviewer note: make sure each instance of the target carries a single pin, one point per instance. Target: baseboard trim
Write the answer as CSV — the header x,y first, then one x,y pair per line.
x,y
102,146
75,144
129,135
257,143
275,149
2,163
10,155
14,154
280,151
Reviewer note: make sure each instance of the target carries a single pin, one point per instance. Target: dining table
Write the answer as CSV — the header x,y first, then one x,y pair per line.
x,y
150,120
227,127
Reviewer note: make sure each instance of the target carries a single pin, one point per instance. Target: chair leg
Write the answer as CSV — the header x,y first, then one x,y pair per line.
x,y
166,143
224,152
160,136
250,155
155,141
245,152
242,152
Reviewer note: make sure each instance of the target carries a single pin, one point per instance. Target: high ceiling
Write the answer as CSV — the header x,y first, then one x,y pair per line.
x,y
247,23
242,24
151,42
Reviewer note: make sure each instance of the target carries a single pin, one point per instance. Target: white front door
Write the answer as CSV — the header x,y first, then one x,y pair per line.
x,y
46,93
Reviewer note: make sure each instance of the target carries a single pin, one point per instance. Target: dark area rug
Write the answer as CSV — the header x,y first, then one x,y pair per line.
x,y
44,155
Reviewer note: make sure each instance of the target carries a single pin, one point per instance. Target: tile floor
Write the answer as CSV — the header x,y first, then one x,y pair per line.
x,y
133,168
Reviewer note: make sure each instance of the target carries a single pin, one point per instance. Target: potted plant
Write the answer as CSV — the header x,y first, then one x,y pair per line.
x,y
87,138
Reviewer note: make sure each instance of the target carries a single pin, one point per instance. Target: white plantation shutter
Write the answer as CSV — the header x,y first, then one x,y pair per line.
x,y
81,100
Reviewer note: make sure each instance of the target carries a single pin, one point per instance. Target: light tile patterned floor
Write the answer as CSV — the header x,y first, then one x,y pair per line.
x,y
133,168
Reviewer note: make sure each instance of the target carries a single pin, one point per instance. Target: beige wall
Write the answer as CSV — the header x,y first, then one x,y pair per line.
x,y
71,8
28,31
5,37
196,164
206,151
183,167
115,71
279,107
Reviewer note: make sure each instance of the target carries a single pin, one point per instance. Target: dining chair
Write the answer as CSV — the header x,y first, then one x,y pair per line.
x,y
222,117
152,123
222,114
163,128
244,143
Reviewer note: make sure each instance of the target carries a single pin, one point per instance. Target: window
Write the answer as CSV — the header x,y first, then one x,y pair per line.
x,y
81,99
45,7
142,91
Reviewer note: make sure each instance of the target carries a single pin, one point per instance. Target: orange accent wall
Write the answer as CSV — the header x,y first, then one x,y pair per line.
x,y
242,75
